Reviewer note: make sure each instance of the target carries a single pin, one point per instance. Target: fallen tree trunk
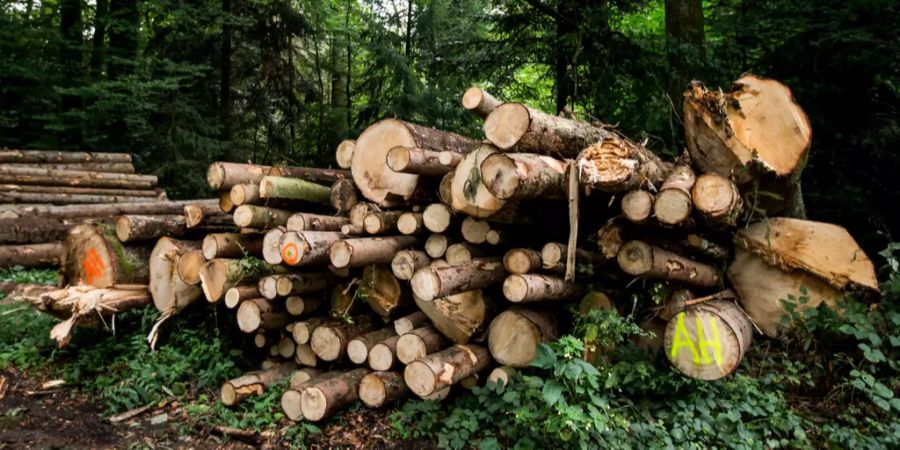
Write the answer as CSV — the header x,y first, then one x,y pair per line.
x,y
433,282
94,256
615,164
708,341
378,388
71,199
524,175
323,398
53,177
514,127
371,250
479,102
640,259
253,383
515,334
52,156
538,288
31,255
83,304
232,245
434,372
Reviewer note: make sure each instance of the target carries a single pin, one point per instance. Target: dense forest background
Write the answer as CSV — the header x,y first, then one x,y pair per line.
x,y
181,83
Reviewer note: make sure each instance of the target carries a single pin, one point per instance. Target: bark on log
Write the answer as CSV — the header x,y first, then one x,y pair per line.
x,y
301,376
522,260
411,223
322,399
420,161
371,250
71,199
60,157
84,305
290,400
381,290
379,388
644,260
137,228
94,256
315,222
302,306
329,341
261,217
261,314
673,202
511,176
407,262
232,245
359,212
53,177
707,247
538,288
434,282
409,322
515,334
457,316
170,294
717,199
307,248
195,216
110,210
479,102
516,127
189,265
271,245
467,190
157,194
302,331
383,355
223,175
358,348
475,231
253,383
84,167
708,341
382,222
418,343
245,194
219,275
637,206
294,189
344,153
238,294
439,370
616,164
344,195
31,255
301,283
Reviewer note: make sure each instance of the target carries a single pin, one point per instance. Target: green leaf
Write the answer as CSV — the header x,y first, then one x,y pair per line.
x,y
546,357
552,392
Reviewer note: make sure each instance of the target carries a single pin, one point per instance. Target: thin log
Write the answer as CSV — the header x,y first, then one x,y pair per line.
x,y
673,202
410,322
420,161
301,306
411,223
358,348
223,175
260,217
459,316
271,245
475,231
640,259
382,291
462,253
53,177
253,384
219,275
436,245
302,331
83,166
344,195
157,193
439,370
516,127
60,157
418,343
301,283
433,282
437,217
232,245
294,189
103,210
71,199
245,194
479,102
637,206
371,250
382,222
537,288
261,314
344,153
238,294
195,216
329,341
315,222
383,355
522,260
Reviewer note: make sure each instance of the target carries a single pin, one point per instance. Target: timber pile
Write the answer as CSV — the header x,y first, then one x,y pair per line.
x,y
439,261
32,181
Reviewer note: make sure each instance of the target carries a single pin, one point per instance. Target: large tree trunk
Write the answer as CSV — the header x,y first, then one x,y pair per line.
x,y
55,177
515,334
170,294
87,306
708,341
94,256
324,398
31,255
524,175
434,372
434,282
53,157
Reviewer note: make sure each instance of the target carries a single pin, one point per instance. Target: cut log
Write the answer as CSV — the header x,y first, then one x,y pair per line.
x,y
261,217
81,166
382,356
708,341
616,164
134,228
538,288
381,222
437,217
610,239
644,260
103,210
515,334
433,282
407,262
223,176
673,202
375,179
267,286
408,323
322,399
457,316
94,256
245,194
261,314
371,250
479,102
344,153
189,265
445,188
271,245
329,341
294,189
436,371
467,191
411,223
290,399
307,248
170,294
232,245
238,294
61,157
379,388
516,127
286,347
196,215
315,222
717,199
84,305
71,199
301,376
554,256
344,195
418,343
253,383
225,203
31,255
301,283
156,194
502,375
524,175
359,212
436,245
358,348
54,177
475,231
305,356
381,290
301,306
420,161
219,275
755,131
522,260
706,247
302,331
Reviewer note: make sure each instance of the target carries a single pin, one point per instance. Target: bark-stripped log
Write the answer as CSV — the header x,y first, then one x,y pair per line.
x,y
616,164
253,383
371,250
232,245
358,348
524,175
261,314
673,202
31,255
537,288
516,127
195,216
261,217
436,371
329,340
294,189
379,388
322,399
515,334
644,260
433,282
555,254
94,256
479,102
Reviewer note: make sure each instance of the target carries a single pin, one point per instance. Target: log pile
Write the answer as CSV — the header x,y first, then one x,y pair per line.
x,y
439,261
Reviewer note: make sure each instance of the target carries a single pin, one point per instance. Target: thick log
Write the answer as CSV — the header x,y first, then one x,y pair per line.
x,y
245,194
232,245
434,282
379,388
436,371
218,275
411,223
61,157
170,294
261,314
616,164
324,398
708,341
515,334
156,194
223,176
538,288
260,217
371,250
315,222
381,290
307,248
94,256
409,322
382,356
358,348
717,199
253,383
375,179
344,153
522,260
344,195
479,102
271,245
407,262
302,331
103,210
54,177
71,199
644,260
511,176
238,294
420,161
418,343
467,191
437,217
436,245
637,206
294,189
516,127
31,255
329,341
673,202
301,283
458,316
189,265
382,222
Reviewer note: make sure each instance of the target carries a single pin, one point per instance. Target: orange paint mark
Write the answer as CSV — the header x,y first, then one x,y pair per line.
x,y
93,266
290,254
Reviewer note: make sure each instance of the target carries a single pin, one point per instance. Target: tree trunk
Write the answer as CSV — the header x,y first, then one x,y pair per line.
x,y
382,291
344,153
61,157
329,341
84,305
307,248
411,223
382,356
344,195
254,383
359,347
522,260
302,306
170,294
294,189
640,259
515,334
290,400
434,282
436,371
371,250
378,388
475,231
302,331
457,316
524,175
616,164
219,275
437,217
31,255
301,283
419,161
261,314
232,245
71,63
502,375
118,209
479,102
135,228
684,44
55,177
673,202
124,20
537,288
260,217
708,341
223,176
637,206
189,265
382,222
238,294
717,199
245,194
94,256
324,398
315,222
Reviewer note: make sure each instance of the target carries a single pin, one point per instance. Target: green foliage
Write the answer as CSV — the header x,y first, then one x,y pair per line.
x,y
19,274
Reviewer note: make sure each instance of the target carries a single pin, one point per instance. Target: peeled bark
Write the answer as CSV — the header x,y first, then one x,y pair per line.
x,y
420,161
60,157
322,399
616,164
315,222
232,245
261,217
407,262
371,250
673,202
434,282
708,341
457,316
717,199
294,189
31,255
53,177
479,102
640,259
379,388
94,256
358,348
437,217
253,383
637,206
516,127
344,153
522,260
383,355
307,248
381,291
329,341
515,334
261,314
524,175
439,370
537,288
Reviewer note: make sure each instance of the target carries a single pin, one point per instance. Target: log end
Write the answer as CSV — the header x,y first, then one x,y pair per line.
x,y
357,351
189,265
398,158
313,403
380,357
410,347
243,216
472,97
635,258
227,394
340,254
515,288
327,343
419,378
248,317
290,404
507,124
637,205
408,223
436,217
372,391
344,153
215,176
425,284
513,339
672,206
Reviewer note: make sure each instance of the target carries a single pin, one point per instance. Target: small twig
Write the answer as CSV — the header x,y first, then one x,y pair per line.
x,y
131,414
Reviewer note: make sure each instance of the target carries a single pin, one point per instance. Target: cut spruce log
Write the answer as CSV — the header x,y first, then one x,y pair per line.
x,y
88,306
381,222
223,175
514,335
502,375
245,194
305,356
462,253
54,177
468,194
61,157
158,194
445,188
383,355
526,288
436,245
644,260
271,245
315,222
615,164
139,228
267,286
358,213
344,153
71,199
103,210
344,195
299,377
433,282
379,388
438,370
195,216
370,250
637,206
418,343
286,347
260,217
232,245
382,291
238,294
329,340
672,205
254,384
717,199
261,314
780,259
515,127
555,254
706,247
708,341
522,260
475,231
420,161
170,294
375,179
410,322
358,348
296,305
220,274
225,203
290,399
755,131
31,255
81,166
294,189
302,331
437,217
307,248
95,257
301,283
323,398
477,101
188,266
457,316
411,223
524,175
